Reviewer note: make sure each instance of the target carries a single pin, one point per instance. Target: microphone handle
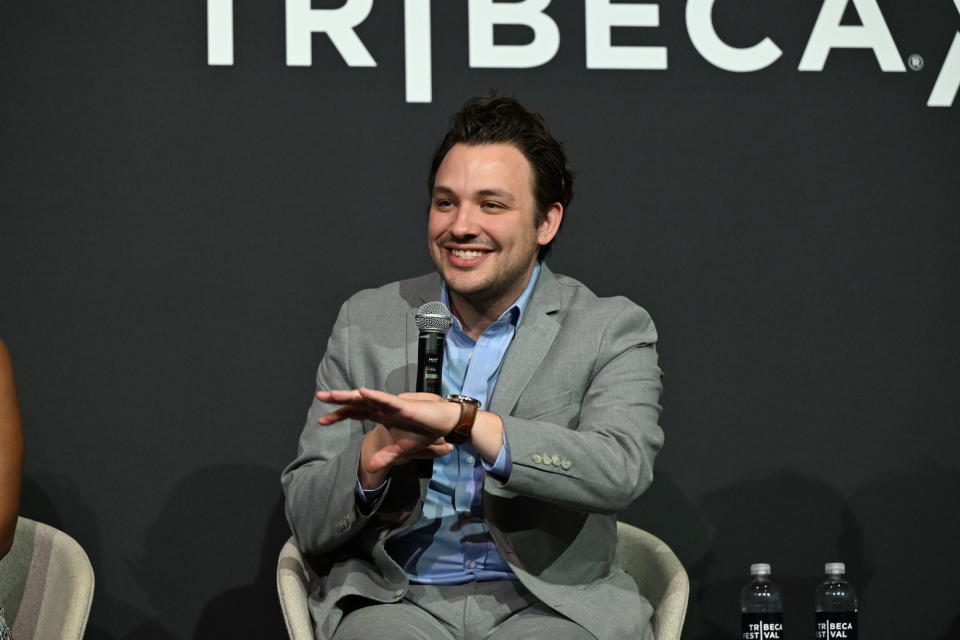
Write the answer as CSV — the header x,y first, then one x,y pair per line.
x,y
430,362
429,377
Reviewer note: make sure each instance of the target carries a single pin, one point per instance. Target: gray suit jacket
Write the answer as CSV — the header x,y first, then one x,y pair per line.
x,y
578,394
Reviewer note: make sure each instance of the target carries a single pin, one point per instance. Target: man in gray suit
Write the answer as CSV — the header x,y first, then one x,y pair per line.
x,y
550,428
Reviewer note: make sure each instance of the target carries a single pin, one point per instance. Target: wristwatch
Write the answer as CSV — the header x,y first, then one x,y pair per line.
x,y
468,414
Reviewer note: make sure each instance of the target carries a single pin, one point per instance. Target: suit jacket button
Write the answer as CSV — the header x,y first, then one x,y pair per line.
x,y
566,464
555,460
399,593
546,458
537,458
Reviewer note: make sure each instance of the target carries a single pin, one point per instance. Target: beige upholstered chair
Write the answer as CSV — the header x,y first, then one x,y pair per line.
x,y
293,580
649,561
46,584
659,576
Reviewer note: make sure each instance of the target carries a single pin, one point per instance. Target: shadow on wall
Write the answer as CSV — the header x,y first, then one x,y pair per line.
x,y
665,511
56,500
209,560
911,525
795,523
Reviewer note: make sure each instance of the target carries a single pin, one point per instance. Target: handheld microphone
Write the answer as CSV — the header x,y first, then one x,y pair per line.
x,y
433,320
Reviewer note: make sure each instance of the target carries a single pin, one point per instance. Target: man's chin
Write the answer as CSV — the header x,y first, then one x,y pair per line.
x,y
465,287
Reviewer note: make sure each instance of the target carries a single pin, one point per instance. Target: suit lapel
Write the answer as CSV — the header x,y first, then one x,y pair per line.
x,y
532,341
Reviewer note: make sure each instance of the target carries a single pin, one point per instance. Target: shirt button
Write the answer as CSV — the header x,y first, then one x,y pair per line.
x,y
470,459
472,564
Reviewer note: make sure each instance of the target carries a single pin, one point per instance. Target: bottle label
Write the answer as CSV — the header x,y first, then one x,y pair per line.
x,y
762,626
836,624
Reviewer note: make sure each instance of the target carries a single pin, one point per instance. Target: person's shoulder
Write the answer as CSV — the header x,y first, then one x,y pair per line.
x,y
577,295
577,299
6,368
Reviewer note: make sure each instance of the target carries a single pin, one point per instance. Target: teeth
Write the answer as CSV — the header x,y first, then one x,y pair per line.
x,y
460,253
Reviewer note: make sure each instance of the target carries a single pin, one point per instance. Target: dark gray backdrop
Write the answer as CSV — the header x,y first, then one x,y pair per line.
x,y
176,239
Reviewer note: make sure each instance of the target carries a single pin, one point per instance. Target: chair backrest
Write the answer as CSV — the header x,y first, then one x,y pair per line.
x,y
659,576
46,584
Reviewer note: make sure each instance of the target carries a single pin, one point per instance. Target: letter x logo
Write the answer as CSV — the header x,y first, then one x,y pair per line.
x,y
948,82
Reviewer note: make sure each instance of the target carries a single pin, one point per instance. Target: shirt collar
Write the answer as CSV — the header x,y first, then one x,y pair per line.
x,y
516,310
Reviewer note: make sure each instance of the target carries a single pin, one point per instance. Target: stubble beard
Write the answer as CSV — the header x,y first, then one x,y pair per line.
x,y
501,284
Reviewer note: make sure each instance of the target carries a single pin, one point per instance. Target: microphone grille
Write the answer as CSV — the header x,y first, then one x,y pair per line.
x,y
433,316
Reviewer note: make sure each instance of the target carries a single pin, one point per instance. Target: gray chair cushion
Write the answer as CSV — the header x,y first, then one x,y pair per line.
x,y
46,584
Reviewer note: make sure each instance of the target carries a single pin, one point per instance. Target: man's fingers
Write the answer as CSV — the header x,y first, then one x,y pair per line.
x,y
356,406
433,451
387,456
380,397
345,413
394,455
350,396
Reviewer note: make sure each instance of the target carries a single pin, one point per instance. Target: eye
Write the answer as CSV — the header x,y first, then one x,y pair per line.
x,y
492,206
443,203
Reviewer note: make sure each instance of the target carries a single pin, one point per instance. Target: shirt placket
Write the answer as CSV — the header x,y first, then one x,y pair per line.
x,y
476,384
466,486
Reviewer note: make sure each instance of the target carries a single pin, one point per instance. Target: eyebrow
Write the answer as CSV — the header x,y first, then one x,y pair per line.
x,y
496,193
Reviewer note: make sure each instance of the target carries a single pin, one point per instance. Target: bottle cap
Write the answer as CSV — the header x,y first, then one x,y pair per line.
x,y
833,568
760,569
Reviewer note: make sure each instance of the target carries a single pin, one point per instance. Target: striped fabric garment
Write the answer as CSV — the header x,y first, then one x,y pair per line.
x,y
4,629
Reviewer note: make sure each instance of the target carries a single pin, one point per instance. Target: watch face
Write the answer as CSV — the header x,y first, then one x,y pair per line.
x,y
453,397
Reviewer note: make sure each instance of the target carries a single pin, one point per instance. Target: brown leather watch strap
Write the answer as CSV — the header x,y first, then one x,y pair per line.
x,y
468,415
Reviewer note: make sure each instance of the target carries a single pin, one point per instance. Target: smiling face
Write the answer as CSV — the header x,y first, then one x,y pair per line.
x,y
482,233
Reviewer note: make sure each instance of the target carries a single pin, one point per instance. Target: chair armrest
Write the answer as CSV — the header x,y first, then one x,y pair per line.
x,y
292,587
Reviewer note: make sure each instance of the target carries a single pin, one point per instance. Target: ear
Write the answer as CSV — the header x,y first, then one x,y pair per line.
x,y
551,223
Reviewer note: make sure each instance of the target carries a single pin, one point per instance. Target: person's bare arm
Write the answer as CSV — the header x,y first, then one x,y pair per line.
x,y
11,453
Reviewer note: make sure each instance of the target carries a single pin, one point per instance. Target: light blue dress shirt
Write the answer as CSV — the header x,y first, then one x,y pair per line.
x,y
450,543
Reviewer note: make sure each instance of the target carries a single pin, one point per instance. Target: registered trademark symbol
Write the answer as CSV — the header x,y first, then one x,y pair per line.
x,y
915,61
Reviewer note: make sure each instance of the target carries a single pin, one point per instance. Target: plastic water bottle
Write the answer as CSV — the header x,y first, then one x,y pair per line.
x,y
761,606
836,604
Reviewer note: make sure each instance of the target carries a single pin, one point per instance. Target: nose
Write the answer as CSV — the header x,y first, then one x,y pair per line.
x,y
465,224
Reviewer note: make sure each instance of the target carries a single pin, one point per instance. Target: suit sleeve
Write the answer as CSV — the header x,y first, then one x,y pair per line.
x,y
606,461
320,484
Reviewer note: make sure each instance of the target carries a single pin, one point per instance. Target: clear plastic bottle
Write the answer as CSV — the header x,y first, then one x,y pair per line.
x,y
761,606
836,605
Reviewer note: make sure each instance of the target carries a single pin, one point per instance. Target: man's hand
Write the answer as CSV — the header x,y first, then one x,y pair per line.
x,y
411,426
426,413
